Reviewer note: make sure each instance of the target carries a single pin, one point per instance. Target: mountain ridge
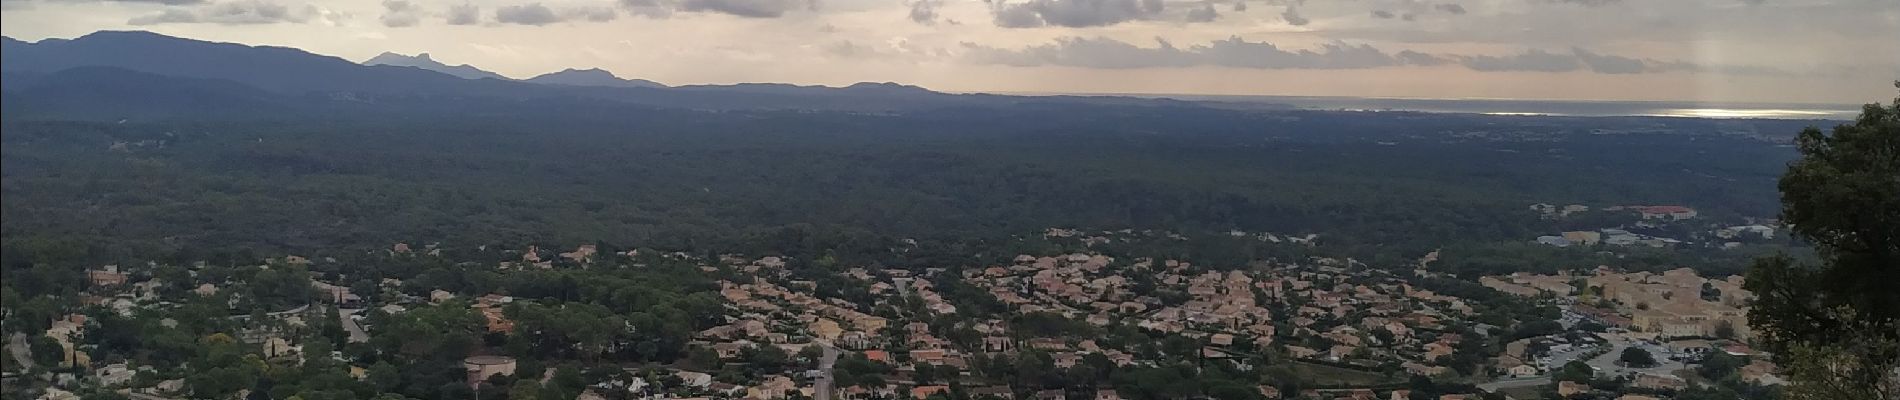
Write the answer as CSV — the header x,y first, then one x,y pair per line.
x,y
424,61
298,76
590,77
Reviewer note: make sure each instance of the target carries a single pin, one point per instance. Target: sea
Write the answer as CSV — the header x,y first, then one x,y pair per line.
x,y
1576,108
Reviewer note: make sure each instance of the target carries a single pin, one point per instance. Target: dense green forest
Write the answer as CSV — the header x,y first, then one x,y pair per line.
x,y
846,183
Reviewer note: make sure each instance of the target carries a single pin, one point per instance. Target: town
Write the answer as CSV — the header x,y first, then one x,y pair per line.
x,y
598,323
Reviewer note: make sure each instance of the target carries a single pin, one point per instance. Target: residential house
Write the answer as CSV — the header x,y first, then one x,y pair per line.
x,y
726,389
1557,241
1568,388
1000,392
1659,381
855,340
1065,359
1049,344
1665,212
1584,238
928,356
924,392
826,329
1301,352
106,276
877,355
774,388
730,350
998,343
1761,372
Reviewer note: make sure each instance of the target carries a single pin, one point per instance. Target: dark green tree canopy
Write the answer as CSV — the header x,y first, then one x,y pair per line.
x,y
1836,326
1844,196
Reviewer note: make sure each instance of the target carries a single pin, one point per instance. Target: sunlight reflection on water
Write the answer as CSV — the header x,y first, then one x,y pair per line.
x,y
1744,113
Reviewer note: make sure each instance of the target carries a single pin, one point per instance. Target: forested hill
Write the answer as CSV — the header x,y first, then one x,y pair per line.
x,y
309,82
125,161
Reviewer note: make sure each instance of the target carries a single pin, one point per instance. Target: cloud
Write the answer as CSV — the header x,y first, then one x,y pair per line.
x,y
1293,17
464,14
1205,13
849,49
1016,17
527,14
165,2
1234,52
924,11
1577,59
1382,14
536,14
1409,57
748,8
1074,13
594,14
230,13
1533,60
1609,64
400,13
648,8
1240,6
1449,8
1588,3
1083,52
1738,69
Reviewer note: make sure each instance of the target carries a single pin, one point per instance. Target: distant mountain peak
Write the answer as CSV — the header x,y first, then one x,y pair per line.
x,y
888,87
126,34
591,77
392,56
588,71
425,61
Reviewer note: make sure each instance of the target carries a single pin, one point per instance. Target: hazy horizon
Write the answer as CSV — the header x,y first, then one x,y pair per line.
x,y
1703,51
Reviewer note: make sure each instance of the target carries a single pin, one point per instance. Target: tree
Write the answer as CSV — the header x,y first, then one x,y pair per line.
x,y
1724,329
46,351
384,376
1720,364
1575,371
525,389
703,358
1835,325
811,353
1636,357
766,358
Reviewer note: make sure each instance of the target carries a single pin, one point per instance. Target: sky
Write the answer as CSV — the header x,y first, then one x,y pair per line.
x,y
1788,51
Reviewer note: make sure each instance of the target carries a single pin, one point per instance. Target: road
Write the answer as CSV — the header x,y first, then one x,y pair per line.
x,y
146,396
22,354
1494,386
821,390
1557,359
357,335
1606,363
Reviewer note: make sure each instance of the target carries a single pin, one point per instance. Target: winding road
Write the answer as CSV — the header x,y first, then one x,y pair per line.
x,y
22,354
357,335
821,389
